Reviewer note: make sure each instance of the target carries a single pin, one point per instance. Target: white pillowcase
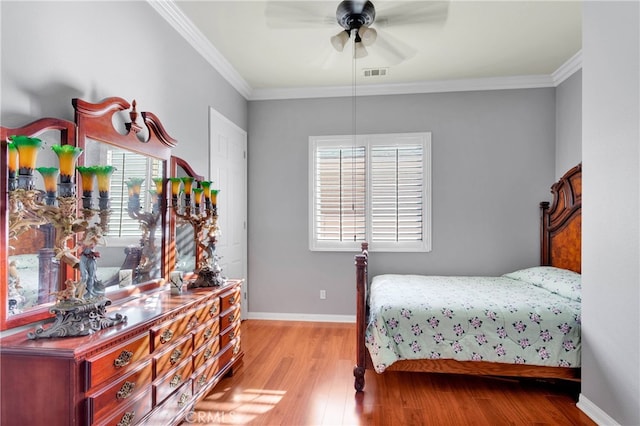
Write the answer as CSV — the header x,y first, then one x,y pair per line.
x,y
559,281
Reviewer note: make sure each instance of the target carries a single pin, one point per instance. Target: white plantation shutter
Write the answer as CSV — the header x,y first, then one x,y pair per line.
x,y
374,190
340,189
129,164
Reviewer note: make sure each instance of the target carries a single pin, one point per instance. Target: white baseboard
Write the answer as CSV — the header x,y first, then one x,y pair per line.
x,y
594,412
301,317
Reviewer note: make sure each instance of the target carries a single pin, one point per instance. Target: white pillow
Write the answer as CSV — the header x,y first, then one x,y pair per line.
x,y
559,281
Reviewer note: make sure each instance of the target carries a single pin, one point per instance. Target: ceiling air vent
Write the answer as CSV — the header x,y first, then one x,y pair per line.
x,y
375,72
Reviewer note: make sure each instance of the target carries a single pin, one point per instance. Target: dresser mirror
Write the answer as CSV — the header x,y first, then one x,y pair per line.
x,y
39,257
185,249
133,250
31,270
131,247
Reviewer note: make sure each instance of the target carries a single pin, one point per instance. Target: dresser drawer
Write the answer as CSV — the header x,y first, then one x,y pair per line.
x,y
229,317
119,393
210,310
206,333
172,356
115,361
205,353
209,370
230,333
131,413
175,407
230,353
230,298
166,385
169,332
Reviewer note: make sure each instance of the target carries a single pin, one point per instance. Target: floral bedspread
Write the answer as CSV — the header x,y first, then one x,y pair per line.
x,y
495,319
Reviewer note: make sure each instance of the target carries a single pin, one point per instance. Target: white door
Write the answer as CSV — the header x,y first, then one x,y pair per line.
x,y
228,171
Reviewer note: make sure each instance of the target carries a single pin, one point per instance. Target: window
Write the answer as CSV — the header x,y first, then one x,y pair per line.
x,y
376,189
129,164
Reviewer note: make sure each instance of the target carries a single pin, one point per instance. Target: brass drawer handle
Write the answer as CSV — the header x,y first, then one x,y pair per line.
x,y
183,399
127,419
175,356
193,322
175,381
213,310
123,359
125,391
202,380
166,336
208,333
207,354
232,334
232,318
232,300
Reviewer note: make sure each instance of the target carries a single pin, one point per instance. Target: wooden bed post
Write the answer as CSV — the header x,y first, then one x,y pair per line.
x,y
544,233
361,261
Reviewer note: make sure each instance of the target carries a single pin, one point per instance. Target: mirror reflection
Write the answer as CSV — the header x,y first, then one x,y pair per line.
x,y
130,252
185,243
33,273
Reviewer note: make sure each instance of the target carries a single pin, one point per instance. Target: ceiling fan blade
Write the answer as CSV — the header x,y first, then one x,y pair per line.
x,y
413,13
391,49
300,14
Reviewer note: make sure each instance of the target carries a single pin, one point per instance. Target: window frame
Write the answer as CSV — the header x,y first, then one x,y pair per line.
x,y
368,141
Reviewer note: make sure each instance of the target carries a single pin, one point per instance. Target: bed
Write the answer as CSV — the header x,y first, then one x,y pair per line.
x,y
525,323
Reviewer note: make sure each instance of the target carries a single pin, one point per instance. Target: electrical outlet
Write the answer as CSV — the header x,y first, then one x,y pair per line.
x,y
323,294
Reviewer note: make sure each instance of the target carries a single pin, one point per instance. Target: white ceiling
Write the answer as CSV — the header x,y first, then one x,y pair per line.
x,y
466,41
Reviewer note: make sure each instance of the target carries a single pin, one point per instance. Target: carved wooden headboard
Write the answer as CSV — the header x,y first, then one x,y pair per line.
x,y
561,230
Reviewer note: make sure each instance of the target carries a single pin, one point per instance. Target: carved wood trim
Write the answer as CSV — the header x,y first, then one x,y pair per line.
x,y
94,121
561,223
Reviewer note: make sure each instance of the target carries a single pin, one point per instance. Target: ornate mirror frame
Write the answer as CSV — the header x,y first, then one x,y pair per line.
x,y
67,131
96,122
180,168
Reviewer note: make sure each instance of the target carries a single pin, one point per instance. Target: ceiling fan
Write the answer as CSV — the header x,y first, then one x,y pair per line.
x,y
356,19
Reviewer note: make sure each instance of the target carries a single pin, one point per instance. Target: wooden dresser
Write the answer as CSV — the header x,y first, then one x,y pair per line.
x,y
151,370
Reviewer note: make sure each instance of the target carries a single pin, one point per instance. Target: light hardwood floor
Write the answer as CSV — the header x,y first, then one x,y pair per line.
x,y
300,373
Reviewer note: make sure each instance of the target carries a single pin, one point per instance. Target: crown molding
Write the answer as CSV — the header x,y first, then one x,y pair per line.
x,y
183,25
567,69
434,86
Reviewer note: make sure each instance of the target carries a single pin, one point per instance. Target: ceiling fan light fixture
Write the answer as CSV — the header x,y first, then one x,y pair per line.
x,y
359,50
339,40
367,35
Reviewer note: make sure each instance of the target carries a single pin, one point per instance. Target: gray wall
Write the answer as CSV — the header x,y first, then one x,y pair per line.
x,y
568,123
55,51
611,252
493,162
